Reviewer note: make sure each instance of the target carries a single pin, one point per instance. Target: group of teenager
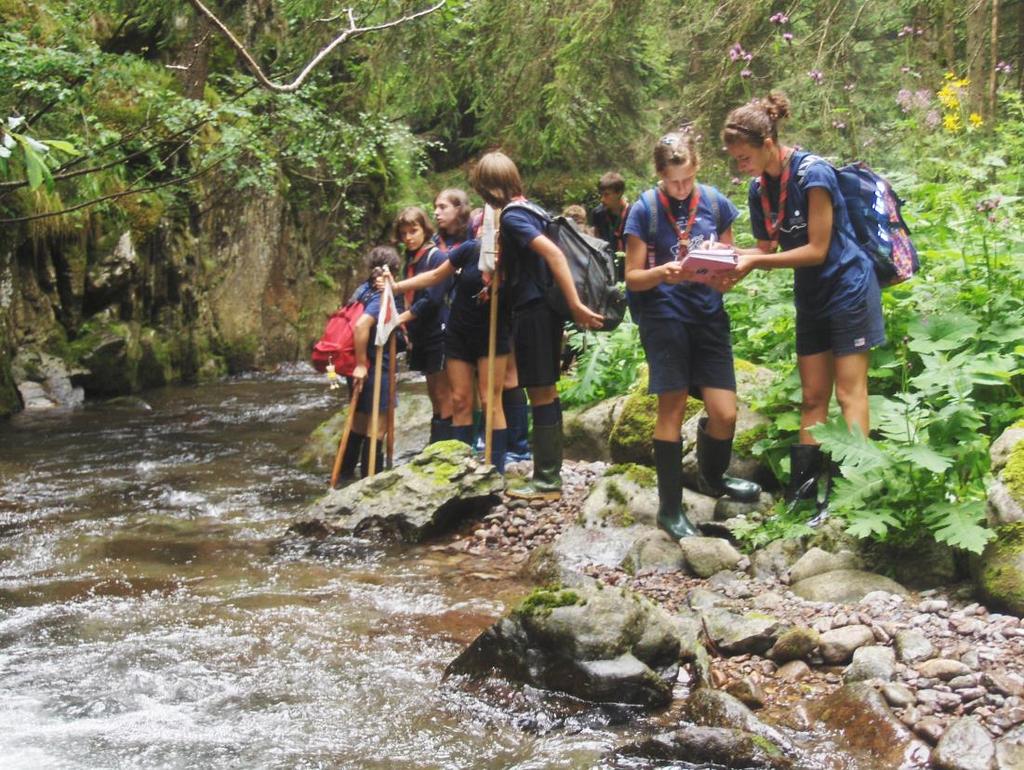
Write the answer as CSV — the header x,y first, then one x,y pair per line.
x,y
799,222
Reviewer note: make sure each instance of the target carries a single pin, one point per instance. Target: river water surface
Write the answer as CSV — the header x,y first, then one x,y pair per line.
x,y
154,612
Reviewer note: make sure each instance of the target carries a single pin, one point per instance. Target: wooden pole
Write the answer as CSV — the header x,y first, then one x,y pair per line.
x,y
336,471
492,347
375,412
392,384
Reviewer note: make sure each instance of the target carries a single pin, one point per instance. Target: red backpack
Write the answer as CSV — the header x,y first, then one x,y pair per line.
x,y
337,345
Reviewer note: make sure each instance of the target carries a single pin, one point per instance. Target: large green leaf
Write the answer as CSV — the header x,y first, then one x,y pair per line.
x,y
958,524
940,332
924,456
849,447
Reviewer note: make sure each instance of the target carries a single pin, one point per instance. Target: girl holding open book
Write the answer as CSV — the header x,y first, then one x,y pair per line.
x,y
684,327
800,221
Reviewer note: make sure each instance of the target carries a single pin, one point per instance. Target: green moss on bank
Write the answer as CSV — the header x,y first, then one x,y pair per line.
x,y
542,601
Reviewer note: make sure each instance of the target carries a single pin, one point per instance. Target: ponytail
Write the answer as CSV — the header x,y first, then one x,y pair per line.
x,y
756,121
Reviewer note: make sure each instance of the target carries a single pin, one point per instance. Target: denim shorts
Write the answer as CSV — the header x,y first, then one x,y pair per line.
x,y
844,333
688,356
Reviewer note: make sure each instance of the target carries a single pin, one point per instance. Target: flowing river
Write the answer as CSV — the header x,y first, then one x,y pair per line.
x,y
155,612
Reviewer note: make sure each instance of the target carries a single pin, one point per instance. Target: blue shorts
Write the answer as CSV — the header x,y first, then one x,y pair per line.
x,y
365,402
688,356
851,331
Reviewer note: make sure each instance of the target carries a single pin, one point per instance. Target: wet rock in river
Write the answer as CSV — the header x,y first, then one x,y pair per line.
x,y
965,745
733,634
715,708
721,746
864,724
706,556
439,487
599,644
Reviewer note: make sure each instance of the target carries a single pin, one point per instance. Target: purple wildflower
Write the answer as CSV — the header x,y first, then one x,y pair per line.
x,y
1004,67
745,73
779,18
735,52
933,119
817,76
904,99
787,36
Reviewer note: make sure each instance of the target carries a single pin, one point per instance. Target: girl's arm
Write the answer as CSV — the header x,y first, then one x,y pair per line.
x,y
814,252
429,278
361,339
638,276
555,259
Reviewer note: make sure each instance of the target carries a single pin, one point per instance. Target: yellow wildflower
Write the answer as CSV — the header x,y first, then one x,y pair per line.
x,y
951,122
975,119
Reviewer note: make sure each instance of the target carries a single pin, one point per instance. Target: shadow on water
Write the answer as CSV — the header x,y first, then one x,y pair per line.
x,y
154,612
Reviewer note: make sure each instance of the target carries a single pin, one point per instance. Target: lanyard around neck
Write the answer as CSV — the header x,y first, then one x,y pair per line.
x,y
410,271
772,226
682,235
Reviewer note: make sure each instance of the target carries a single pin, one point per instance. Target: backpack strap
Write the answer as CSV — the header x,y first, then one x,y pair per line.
x,y
716,213
529,206
808,161
650,201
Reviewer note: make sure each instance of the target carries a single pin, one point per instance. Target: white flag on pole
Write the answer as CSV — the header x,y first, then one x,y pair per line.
x,y
489,241
387,318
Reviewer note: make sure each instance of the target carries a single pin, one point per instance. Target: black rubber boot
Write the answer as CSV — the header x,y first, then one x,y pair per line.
x,y
364,458
463,433
805,461
546,483
822,509
499,448
713,456
668,462
349,460
440,429
517,417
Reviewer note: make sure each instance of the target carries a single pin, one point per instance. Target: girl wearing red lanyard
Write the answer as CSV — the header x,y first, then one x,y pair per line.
x,y
684,328
800,221
423,317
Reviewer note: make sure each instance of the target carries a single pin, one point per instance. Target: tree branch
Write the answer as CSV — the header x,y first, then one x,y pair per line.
x,y
352,31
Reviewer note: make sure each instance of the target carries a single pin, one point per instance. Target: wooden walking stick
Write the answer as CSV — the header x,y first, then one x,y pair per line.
x,y
343,444
492,346
375,413
392,384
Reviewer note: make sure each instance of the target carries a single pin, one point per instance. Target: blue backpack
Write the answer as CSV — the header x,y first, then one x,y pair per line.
x,y
875,212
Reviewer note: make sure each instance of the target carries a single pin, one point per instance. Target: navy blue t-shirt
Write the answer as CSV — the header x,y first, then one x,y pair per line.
x,y
469,311
371,307
841,281
688,301
427,304
526,272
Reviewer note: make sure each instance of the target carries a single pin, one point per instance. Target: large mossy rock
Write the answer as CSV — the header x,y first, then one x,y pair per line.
x,y
627,494
1006,495
587,430
600,644
412,426
720,746
442,485
1001,570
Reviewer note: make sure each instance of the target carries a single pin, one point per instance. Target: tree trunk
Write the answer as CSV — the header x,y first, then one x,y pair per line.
x,y
992,74
977,58
197,59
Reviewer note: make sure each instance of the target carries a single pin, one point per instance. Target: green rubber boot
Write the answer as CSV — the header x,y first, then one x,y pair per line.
x,y
713,456
668,462
546,483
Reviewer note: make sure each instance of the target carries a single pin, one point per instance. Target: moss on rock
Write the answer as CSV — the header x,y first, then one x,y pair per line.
x,y
638,474
1013,474
1001,574
743,444
541,601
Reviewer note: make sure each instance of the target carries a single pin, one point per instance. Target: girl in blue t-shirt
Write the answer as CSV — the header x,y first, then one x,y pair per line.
x,y
684,328
800,221
424,316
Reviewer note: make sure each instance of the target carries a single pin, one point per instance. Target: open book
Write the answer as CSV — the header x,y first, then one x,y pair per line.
x,y
705,262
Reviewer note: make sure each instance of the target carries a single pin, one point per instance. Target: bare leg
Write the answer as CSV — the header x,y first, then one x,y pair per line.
x,y
852,389
671,408
816,379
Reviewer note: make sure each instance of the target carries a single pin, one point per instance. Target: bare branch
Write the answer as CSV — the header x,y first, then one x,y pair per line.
x,y
352,31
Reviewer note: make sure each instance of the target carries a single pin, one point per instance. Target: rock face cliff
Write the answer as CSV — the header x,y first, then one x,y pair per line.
x,y
111,311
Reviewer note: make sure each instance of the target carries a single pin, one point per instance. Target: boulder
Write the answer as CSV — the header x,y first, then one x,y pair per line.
x,y
603,645
1010,750
734,634
107,279
626,494
922,564
442,485
1000,574
816,562
727,508
708,707
942,668
865,725
1006,496
871,662
654,551
775,559
1003,507
706,556
797,643
632,436
578,546
965,745
44,381
586,431
845,586
839,644
720,746
999,451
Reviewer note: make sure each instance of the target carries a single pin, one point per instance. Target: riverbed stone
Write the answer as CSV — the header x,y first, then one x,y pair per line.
x,y
721,746
844,586
439,487
864,724
817,561
1001,570
626,494
596,643
942,668
654,551
871,662
965,745
1010,750
734,634
709,707
706,556
775,559
912,646
797,643
839,644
